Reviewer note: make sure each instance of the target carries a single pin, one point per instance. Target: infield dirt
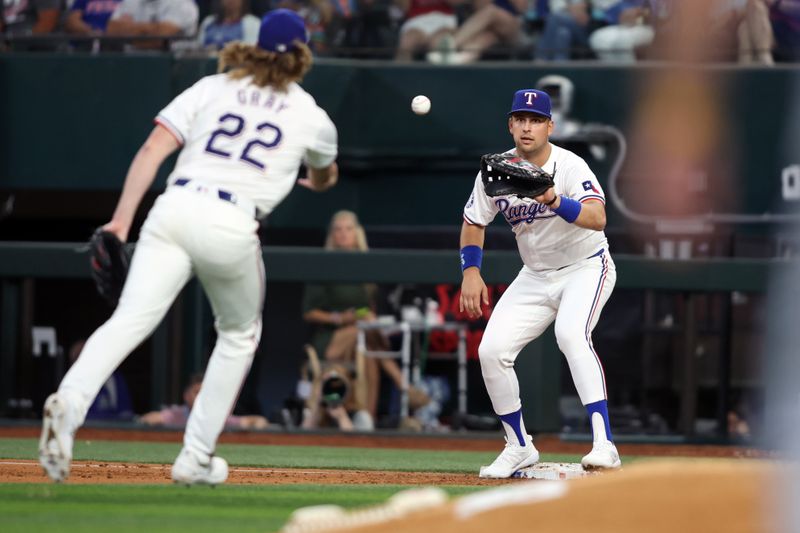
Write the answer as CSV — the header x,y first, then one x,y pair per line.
x,y
19,471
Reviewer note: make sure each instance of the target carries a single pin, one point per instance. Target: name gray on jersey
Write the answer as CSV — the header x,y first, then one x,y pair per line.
x,y
256,97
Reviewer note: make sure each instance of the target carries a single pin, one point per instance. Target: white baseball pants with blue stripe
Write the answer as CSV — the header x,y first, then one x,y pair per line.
x,y
186,233
572,296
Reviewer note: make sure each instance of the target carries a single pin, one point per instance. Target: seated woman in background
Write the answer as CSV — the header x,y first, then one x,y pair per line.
x,y
177,415
334,309
231,21
492,22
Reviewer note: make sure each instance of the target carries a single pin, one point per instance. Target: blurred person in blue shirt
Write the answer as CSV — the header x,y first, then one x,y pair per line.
x,y
569,23
90,17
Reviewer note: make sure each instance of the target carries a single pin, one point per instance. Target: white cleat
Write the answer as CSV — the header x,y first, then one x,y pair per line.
x,y
55,444
603,455
190,470
514,457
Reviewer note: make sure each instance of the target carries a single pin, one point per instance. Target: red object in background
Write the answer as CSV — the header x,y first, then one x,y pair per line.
x,y
473,341
443,341
449,296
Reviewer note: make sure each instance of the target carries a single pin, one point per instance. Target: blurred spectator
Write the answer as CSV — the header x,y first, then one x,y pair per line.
x,y
428,409
785,17
29,17
334,309
89,17
628,28
741,30
366,28
319,18
231,21
491,23
113,402
428,23
567,28
177,415
157,18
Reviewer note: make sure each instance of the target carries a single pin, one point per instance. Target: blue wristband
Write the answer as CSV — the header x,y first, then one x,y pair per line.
x,y
471,256
568,210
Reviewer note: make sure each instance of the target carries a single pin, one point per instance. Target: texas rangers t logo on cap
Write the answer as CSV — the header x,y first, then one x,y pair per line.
x,y
531,101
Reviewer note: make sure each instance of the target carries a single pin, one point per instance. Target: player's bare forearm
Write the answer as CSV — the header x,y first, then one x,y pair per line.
x,y
473,288
321,179
472,235
591,216
140,176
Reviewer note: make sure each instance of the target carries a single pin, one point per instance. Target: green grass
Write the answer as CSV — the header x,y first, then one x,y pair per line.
x,y
168,508
239,508
279,456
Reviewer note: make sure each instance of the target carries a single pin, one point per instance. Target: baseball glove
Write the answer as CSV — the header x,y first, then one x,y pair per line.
x,y
109,261
505,174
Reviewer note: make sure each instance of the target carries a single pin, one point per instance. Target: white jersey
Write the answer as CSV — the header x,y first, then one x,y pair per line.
x,y
248,140
545,240
181,13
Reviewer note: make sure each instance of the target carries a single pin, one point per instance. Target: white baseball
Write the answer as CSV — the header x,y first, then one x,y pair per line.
x,y
421,104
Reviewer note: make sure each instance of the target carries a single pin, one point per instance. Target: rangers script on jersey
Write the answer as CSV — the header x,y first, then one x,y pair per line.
x,y
267,131
545,240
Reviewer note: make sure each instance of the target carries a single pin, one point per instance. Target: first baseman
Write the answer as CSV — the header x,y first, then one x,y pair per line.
x,y
243,136
568,275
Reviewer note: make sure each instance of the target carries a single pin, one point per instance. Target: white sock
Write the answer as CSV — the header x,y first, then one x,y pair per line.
x,y
598,428
511,431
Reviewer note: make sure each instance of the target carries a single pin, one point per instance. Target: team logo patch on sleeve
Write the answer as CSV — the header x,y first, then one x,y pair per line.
x,y
589,186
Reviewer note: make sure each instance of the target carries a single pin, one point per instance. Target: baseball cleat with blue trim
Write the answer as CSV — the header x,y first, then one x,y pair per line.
x,y
603,455
514,457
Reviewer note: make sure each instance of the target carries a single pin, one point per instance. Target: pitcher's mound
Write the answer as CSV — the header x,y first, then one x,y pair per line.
x,y
675,496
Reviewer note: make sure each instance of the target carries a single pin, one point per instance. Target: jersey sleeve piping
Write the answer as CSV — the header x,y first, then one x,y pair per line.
x,y
471,222
590,197
161,120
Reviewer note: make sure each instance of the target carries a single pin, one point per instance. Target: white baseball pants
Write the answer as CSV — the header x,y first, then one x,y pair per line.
x,y
187,232
573,297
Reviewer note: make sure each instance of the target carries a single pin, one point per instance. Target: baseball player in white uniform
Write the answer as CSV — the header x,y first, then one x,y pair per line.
x,y
244,135
567,276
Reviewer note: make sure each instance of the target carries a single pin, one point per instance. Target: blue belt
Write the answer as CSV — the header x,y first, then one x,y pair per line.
x,y
223,195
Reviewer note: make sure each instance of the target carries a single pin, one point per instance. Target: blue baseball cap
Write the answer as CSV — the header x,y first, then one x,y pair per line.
x,y
279,29
531,101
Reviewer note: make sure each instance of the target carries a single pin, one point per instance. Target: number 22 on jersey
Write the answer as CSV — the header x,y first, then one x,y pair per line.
x,y
268,137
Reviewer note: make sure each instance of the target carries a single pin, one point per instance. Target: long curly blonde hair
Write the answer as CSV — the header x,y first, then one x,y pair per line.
x,y
266,68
